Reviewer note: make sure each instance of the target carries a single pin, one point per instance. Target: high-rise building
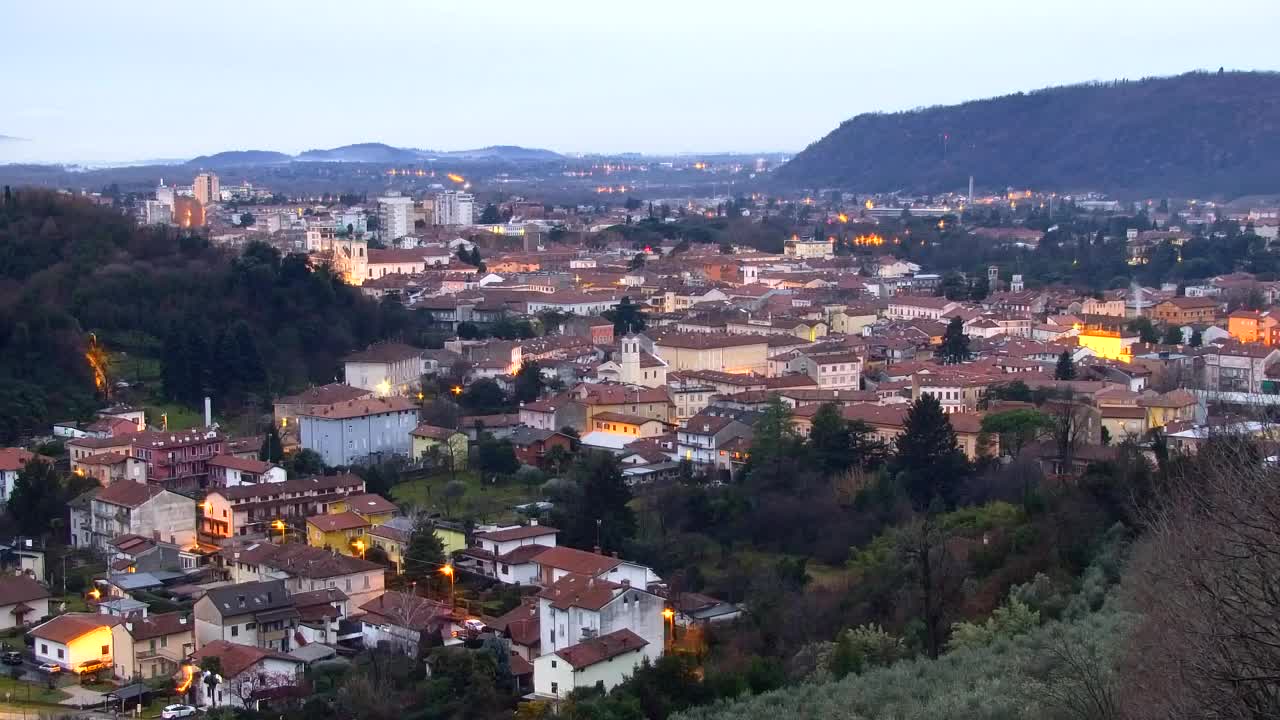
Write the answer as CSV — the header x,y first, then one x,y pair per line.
x,y
206,189
164,194
395,216
455,208
156,212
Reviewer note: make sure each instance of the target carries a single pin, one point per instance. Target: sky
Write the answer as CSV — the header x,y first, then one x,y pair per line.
x,y
101,81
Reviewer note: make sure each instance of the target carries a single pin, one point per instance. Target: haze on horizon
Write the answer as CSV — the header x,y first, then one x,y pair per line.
x,y
104,82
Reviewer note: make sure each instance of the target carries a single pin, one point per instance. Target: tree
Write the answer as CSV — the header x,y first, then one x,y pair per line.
x,y
600,508
775,448
557,459
1066,369
1016,427
40,495
929,462
1197,338
247,219
953,286
632,203
627,317
425,553
483,397
637,262
272,450
838,444
955,344
1172,335
490,215
980,289
528,382
496,457
304,463
1146,330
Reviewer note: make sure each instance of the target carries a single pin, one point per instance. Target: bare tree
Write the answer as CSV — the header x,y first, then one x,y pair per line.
x,y
924,548
1207,580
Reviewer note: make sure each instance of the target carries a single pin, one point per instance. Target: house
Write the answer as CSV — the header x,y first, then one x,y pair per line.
x,y
1175,406
131,508
605,661
1236,367
908,307
22,601
350,432
703,436
375,509
1249,326
737,354
74,640
579,607
255,613
652,403
556,562
111,467
138,554
887,422
178,460
392,538
320,613
520,627
253,509
507,554
398,620
249,676
230,471
149,646
286,409
1181,311
385,368
553,413
634,426
450,445
305,568
12,460
833,370
340,532
697,609
531,445
1123,422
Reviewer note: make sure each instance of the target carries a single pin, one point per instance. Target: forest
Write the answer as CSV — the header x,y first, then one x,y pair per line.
x,y
1197,134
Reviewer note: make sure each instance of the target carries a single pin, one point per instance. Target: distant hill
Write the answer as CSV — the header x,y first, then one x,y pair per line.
x,y
1198,134
362,152
239,158
511,153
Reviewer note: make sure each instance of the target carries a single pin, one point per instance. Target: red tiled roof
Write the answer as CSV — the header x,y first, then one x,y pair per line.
x,y
65,628
256,467
325,395
19,589
361,407
337,522
154,626
581,591
386,352
523,532
369,503
127,493
236,658
576,561
599,649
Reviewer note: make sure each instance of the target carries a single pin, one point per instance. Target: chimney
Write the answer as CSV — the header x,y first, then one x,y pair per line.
x,y
208,411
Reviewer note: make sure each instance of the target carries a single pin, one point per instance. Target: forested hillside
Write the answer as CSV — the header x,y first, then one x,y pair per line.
x,y
237,328
1197,134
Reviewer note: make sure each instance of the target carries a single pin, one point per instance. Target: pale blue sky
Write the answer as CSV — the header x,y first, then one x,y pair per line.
x,y
104,81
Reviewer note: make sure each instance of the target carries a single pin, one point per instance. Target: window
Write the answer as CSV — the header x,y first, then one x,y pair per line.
x,y
553,663
366,582
60,653
235,631
554,688
106,650
506,569
164,641
44,649
250,626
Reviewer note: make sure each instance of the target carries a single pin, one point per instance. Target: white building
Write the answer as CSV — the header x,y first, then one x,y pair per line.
x,y
455,208
606,660
395,216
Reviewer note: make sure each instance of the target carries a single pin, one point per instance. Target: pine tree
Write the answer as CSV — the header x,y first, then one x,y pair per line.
x,y
1197,338
929,461
1172,335
1066,369
600,507
425,553
955,344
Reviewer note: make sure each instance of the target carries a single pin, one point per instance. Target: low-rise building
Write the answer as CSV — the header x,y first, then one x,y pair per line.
x,y
604,661
22,601
230,471
152,646
254,509
250,676
75,640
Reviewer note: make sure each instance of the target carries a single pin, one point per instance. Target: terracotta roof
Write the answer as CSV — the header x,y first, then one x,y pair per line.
x,y
599,649
19,589
408,611
576,561
370,503
127,493
386,352
523,532
107,458
337,522
581,591
362,407
65,628
624,418
154,626
318,484
300,560
325,395
236,658
520,624
14,458
390,533
433,432
256,467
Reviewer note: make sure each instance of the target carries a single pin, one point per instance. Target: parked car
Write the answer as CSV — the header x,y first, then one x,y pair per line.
x,y
50,667
12,657
177,711
92,666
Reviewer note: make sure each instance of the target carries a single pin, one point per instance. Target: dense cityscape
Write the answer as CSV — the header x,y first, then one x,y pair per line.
x,y
376,432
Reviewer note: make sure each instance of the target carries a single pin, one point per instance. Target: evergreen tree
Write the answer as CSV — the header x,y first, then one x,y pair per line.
x,y
272,449
1197,338
600,505
1066,369
775,449
1172,335
425,552
955,344
929,462
528,382
627,317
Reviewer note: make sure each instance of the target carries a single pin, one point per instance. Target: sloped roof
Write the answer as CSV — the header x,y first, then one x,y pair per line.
x,y
16,589
599,649
236,658
576,561
127,493
67,627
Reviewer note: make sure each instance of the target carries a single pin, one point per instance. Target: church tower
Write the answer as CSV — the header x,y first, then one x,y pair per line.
x,y
629,360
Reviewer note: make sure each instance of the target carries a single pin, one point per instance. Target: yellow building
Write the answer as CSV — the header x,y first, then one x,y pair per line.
x,y
375,509
1108,344
349,519
77,641
738,354
451,444
1174,406
393,539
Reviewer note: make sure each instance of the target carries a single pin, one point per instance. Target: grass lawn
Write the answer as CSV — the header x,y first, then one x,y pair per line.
x,y
180,417
16,691
75,603
484,502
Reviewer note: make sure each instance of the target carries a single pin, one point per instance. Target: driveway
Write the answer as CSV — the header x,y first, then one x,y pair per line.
x,y
80,696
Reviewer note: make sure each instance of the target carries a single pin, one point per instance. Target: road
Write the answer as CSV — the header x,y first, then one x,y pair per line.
x,y
17,712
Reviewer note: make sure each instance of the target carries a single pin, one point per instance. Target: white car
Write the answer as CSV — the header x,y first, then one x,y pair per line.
x,y
177,711
50,667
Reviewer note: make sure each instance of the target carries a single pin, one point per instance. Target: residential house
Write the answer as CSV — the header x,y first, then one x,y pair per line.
x,y
287,409
1175,406
556,562
531,445
386,368
703,436
110,467
449,446
305,568
1181,311
398,621
22,601
350,432
833,370
887,422
553,413
1250,326
178,460
127,507
74,640
603,661
149,646
579,607
1236,367
253,509
507,554
652,403
250,676
908,307
340,532
12,460
255,613
229,471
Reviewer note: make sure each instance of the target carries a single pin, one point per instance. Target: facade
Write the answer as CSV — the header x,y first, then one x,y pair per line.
x,y
256,613
74,640
455,208
395,216
601,661
738,354
253,509
1185,311
451,443
249,676
1237,368
351,432
22,601
206,189
305,569
152,646
130,508
178,460
12,460
229,471
386,368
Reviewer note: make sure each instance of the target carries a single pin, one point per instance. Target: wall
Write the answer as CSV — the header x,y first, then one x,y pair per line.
x,y
610,673
171,514
340,442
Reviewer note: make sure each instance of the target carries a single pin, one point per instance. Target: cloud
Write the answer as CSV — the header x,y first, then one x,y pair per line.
x,y
11,138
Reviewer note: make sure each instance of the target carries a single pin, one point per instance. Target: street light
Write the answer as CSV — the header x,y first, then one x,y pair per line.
x,y
669,616
456,390
359,545
279,525
448,571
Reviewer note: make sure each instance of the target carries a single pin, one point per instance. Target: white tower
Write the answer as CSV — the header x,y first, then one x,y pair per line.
x,y
629,360
1016,285
993,278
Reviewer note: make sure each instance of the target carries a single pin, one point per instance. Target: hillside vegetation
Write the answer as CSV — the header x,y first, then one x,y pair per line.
x,y
1198,134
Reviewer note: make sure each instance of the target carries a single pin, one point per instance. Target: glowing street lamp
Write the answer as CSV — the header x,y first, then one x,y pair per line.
x,y
359,546
456,390
96,594
447,570
279,525
669,616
